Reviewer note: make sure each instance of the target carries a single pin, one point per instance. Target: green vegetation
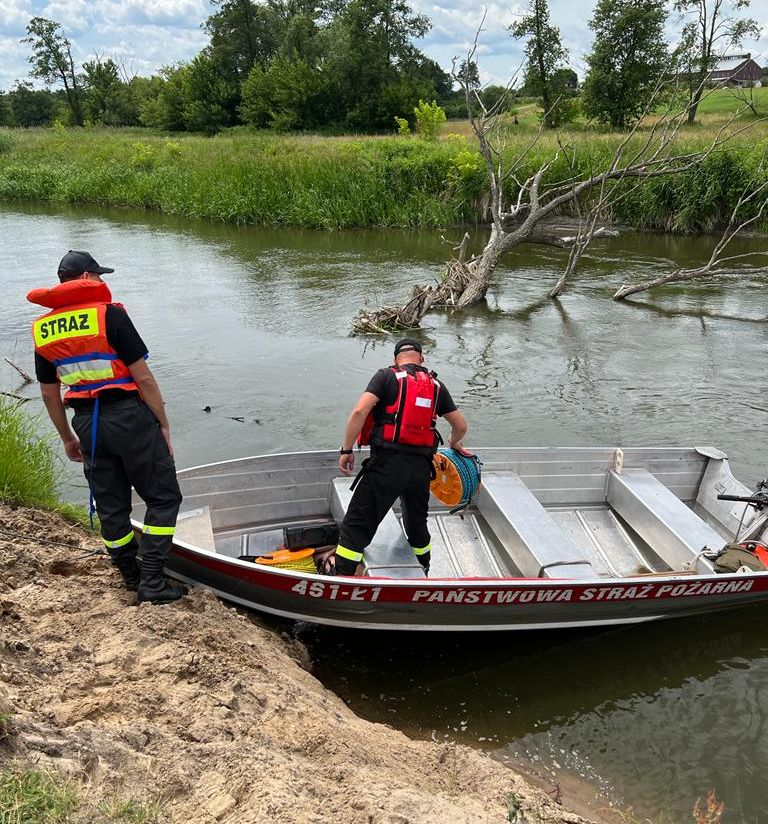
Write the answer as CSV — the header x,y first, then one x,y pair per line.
x,y
130,811
29,467
430,119
29,796
32,796
622,80
545,73
248,178
260,178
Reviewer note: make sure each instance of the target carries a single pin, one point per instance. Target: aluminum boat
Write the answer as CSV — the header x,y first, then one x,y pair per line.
x,y
556,537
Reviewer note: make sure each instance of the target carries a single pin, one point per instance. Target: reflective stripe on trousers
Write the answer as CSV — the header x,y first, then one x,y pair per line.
x,y
158,530
349,554
126,539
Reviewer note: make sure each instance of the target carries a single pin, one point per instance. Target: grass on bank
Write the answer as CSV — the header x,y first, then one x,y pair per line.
x,y
30,470
33,796
29,796
261,178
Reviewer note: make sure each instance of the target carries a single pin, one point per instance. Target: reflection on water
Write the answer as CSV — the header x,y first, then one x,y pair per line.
x,y
254,323
656,715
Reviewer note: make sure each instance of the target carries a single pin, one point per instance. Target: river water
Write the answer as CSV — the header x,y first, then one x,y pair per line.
x,y
255,324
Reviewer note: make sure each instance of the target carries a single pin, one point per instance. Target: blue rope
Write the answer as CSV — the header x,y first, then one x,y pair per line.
x,y
94,432
469,472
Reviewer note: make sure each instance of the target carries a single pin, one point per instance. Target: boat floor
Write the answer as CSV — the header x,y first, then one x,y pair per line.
x,y
466,547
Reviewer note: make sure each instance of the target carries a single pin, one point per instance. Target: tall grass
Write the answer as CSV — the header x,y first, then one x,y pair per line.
x,y
29,467
28,464
243,177
29,796
248,177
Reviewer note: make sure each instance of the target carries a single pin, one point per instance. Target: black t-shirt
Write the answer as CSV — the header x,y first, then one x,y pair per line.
x,y
122,337
384,385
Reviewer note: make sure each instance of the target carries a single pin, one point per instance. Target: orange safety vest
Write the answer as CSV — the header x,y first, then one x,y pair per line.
x,y
73,336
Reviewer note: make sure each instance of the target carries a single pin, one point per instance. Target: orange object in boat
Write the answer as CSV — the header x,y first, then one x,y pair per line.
x,y
447,486
298,559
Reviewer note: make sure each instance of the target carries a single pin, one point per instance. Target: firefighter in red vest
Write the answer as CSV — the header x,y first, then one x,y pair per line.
x,y
397,415
89,345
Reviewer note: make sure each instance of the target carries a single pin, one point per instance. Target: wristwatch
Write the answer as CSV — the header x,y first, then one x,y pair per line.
x,y
343,451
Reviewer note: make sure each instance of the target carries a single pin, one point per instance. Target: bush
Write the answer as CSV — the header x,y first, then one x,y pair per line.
x,y
429,120
403,129
6,142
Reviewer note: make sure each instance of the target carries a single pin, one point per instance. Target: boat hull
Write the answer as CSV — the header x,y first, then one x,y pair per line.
x,y
464,605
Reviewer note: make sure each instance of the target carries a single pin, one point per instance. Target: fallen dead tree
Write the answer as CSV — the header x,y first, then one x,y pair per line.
x,y
447,292
649,149
719,263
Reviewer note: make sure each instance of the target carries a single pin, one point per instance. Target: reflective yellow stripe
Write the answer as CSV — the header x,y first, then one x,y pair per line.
x,y
85,375
422,550
126,539
349,554
158,530
63,325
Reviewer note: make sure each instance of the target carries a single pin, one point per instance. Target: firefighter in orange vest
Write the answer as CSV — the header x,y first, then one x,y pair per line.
x,y
397,415
89,345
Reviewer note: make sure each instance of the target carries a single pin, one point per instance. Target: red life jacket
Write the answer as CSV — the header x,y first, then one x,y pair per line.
x,y
73,336
411,420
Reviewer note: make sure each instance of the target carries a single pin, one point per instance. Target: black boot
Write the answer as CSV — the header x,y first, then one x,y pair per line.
x,y
424,559
153,586
344,566
124,558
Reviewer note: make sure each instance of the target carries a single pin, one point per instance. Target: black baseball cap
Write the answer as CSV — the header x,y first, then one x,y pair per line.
x,y
407,345
73,264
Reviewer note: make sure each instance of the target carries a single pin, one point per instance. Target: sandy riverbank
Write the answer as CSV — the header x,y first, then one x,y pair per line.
x,y
206,711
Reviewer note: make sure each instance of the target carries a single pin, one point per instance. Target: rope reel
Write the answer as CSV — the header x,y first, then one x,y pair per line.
x,y
457,478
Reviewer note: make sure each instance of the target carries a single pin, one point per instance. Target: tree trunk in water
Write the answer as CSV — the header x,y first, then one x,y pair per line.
x,y
674,277
482,268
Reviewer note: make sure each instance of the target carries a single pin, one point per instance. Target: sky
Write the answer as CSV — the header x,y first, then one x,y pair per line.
x,y
144,35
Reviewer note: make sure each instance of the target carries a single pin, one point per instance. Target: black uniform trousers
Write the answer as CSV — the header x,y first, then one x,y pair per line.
x,y
130,451
388,475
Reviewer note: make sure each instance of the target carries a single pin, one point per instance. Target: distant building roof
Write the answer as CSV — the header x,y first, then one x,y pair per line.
x,y
730,62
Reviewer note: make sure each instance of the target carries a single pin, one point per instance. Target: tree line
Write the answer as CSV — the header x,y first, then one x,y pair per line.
x,y
352,65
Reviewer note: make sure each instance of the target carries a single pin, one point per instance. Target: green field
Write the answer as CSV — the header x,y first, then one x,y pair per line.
x,y
261,178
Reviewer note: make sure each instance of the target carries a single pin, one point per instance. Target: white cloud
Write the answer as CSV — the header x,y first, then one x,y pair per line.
x,y
160,47
172,13
14,16
73,15
147,34
13,62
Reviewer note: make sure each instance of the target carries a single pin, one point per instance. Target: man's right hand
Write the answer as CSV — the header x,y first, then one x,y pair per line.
x,y
72,448
347,463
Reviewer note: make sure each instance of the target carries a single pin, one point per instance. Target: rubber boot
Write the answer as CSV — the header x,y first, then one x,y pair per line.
x,y
124,558
344,566
424,561
153,587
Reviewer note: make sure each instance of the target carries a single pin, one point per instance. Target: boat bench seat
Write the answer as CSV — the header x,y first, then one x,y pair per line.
x,y
538,547
194,526
389,554
672,530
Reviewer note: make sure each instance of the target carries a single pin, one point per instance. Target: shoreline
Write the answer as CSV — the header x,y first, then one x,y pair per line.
x,y
208,713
